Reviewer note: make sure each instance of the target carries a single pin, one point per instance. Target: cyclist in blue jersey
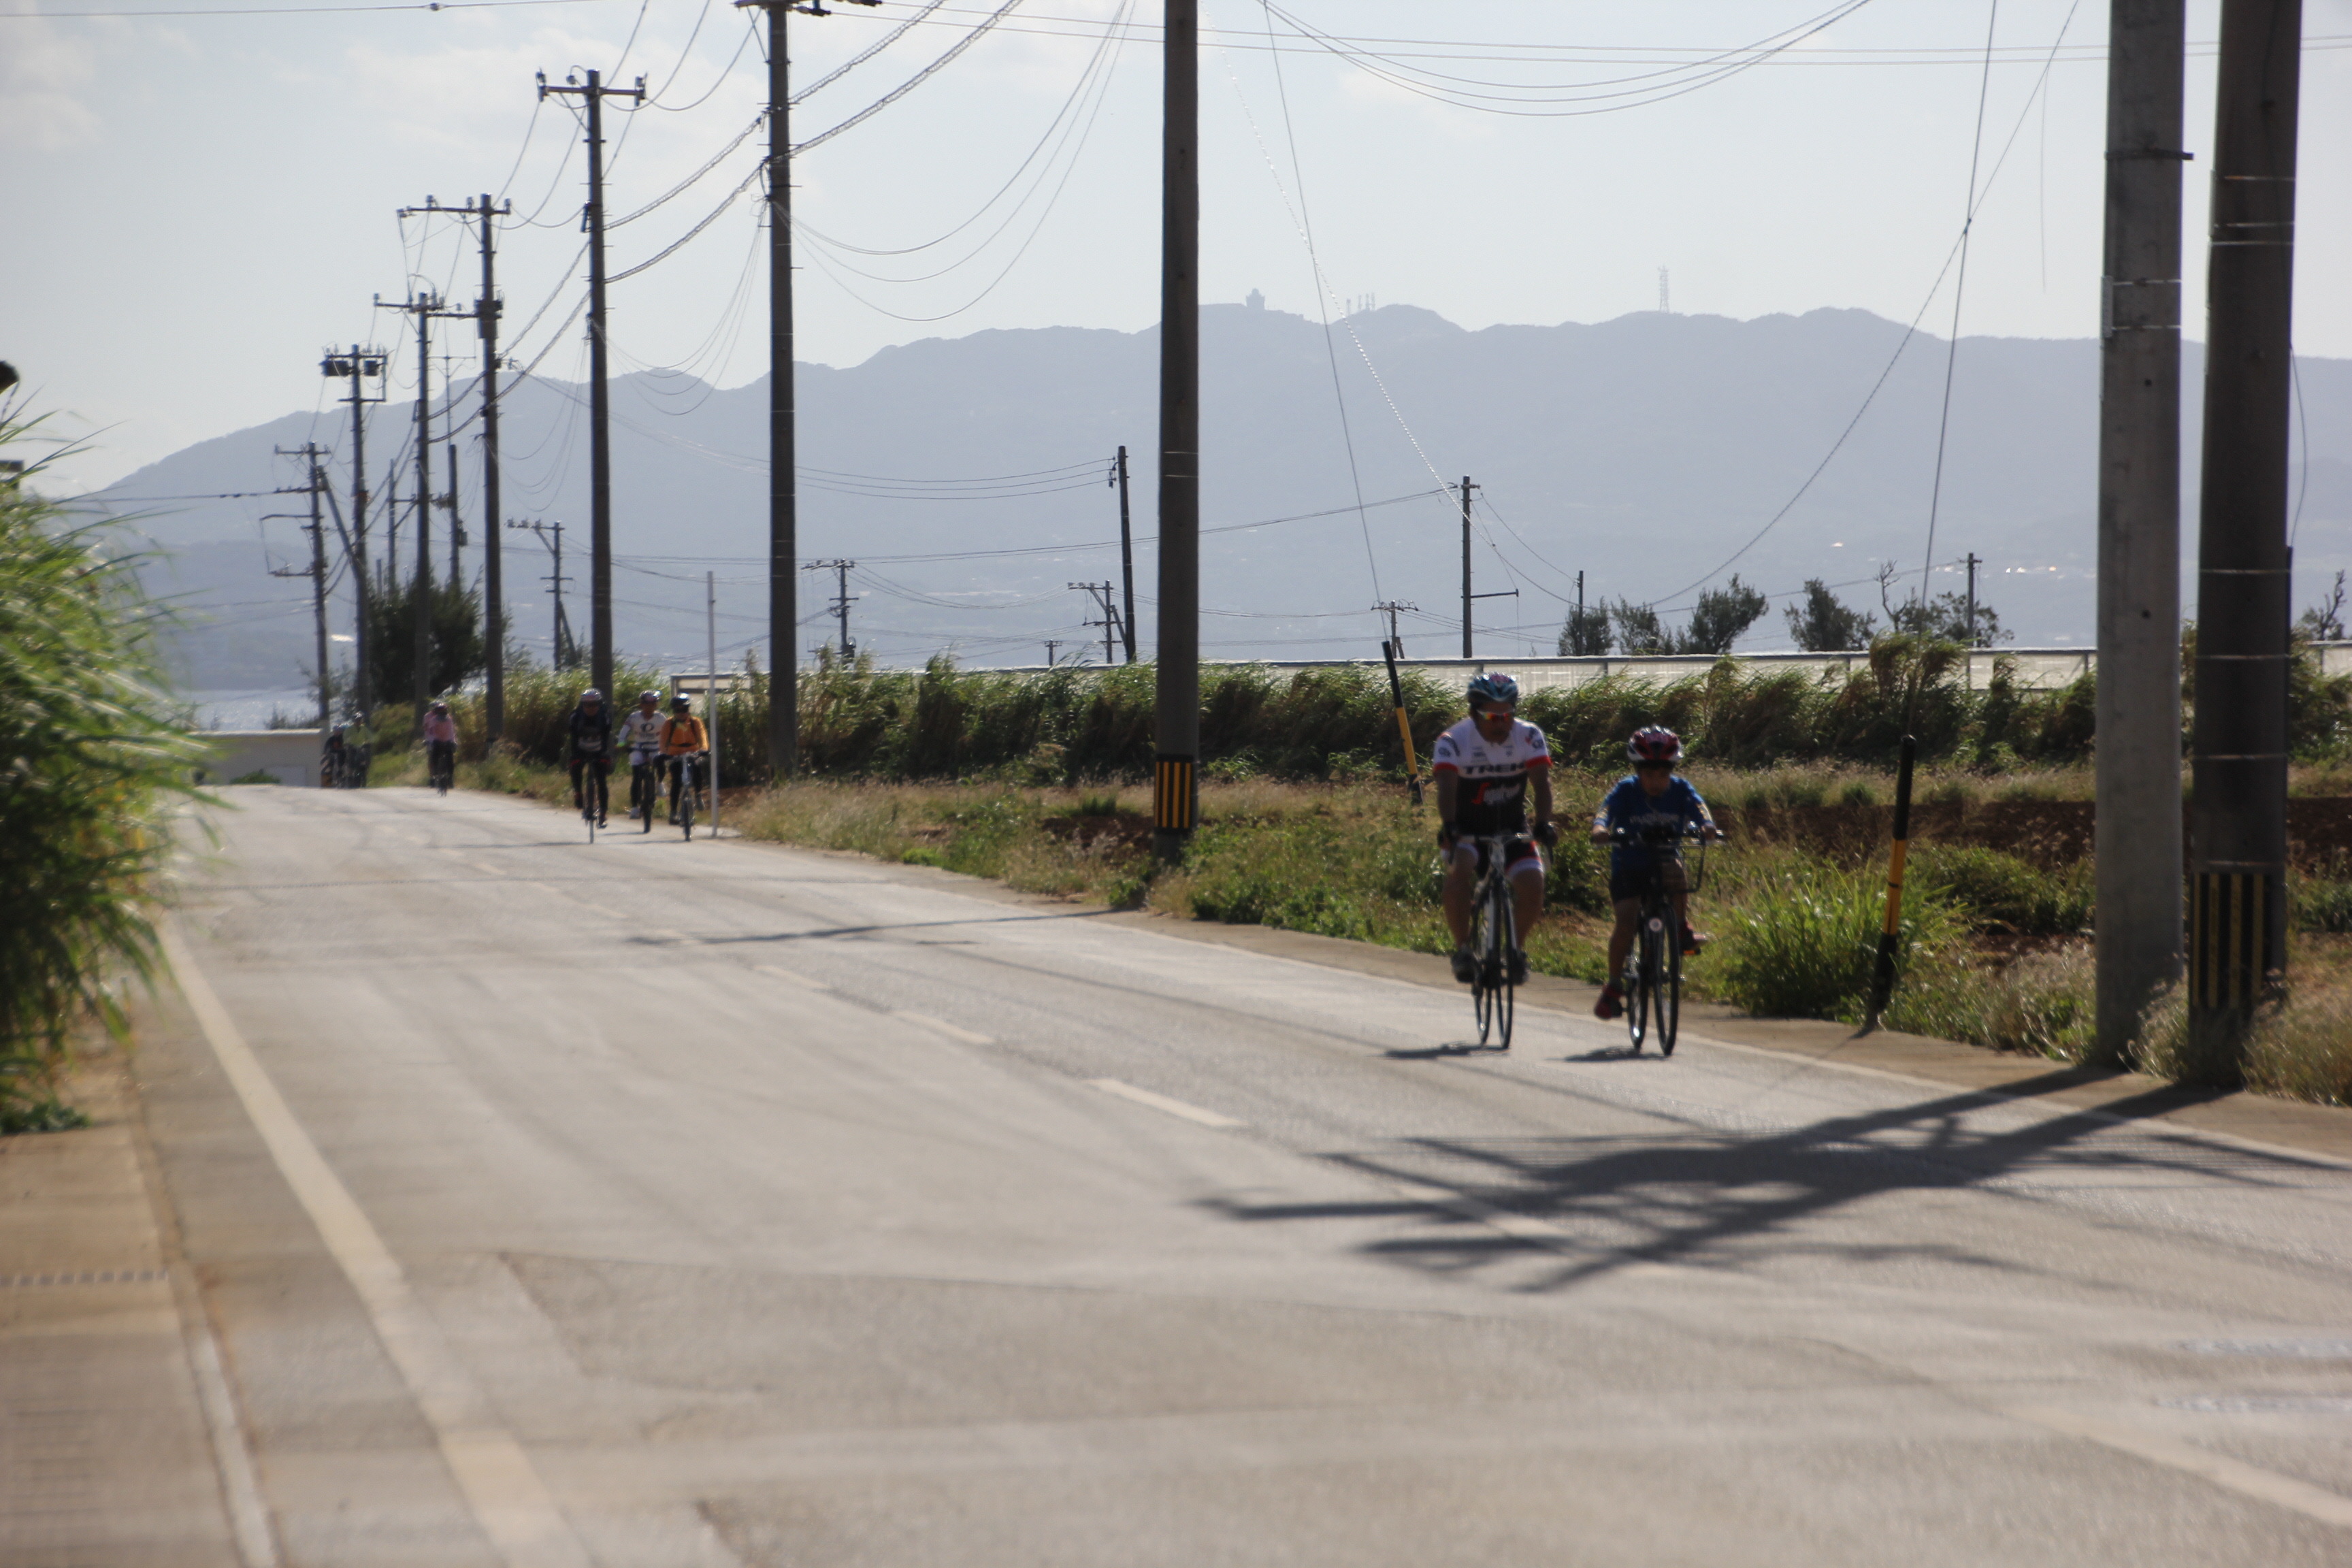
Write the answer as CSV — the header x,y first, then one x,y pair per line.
x,y
1486,767
1654,797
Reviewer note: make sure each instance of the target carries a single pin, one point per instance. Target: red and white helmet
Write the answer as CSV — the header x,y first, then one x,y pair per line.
x,y
1655,744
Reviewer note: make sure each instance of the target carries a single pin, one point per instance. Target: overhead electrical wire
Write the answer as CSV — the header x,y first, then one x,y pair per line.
x,y
888,38
1960,283
2041,85
751,32
912,83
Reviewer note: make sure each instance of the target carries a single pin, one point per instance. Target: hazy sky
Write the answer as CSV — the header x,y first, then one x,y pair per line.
x,y
200,202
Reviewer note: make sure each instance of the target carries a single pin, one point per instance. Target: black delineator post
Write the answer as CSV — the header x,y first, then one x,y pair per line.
x,y
1882,979
2237,922
1127,557
1175,784
2138,704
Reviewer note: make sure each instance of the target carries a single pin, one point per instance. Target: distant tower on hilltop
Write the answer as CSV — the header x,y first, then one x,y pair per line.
x,y
1664,307
1254,300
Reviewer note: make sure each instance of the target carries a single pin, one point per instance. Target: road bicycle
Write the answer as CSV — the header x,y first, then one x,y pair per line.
x,y
1652,980
442,765
596,795
1493,935
645,787
687,778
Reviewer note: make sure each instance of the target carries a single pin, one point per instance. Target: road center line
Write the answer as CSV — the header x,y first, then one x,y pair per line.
x,y
504,1489
2250,1480
952,1031
1161,1103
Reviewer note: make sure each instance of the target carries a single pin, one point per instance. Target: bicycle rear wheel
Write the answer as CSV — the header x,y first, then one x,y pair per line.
x,y
1483,991
1670,995
1638,983
686,803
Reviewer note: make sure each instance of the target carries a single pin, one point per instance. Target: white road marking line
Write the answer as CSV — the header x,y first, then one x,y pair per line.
x,y
795,979
593,906
952,1031
256,1543
1161,1103
2250,1480
502,1487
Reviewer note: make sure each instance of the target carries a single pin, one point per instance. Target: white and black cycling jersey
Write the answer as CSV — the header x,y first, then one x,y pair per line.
x,y
1492,796
641,731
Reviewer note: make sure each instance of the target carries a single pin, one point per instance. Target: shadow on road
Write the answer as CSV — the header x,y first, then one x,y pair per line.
x,y
1701,1193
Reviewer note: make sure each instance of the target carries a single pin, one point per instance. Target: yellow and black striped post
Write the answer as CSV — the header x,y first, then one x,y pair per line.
x,y
1882,979
1175,795
1404,724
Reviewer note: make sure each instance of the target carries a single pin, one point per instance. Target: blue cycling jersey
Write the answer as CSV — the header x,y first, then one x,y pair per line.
x,y
1629,806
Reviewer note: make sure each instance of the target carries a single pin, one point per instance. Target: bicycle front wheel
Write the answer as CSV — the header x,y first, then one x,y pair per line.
x,y
1638,986
1506,940
1482,989
686,807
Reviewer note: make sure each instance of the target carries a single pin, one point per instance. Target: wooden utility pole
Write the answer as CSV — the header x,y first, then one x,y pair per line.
x,y
1175,785
600,406
2138,702
1126,556
2237,906
356,366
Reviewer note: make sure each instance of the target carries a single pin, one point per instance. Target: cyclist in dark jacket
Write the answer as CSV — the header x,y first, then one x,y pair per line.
x,y
1653,797
592,748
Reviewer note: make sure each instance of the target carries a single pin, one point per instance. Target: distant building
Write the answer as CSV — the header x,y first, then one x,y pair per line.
x,y
1254,300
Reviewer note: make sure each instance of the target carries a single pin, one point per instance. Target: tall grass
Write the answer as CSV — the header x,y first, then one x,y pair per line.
x,y
91,764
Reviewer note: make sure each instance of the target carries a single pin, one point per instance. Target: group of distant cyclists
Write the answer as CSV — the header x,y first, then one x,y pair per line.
x,y
663,749
1492,766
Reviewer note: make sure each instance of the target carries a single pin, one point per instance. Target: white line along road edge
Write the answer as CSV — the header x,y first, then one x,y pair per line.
x,y
2249,1480
509,1500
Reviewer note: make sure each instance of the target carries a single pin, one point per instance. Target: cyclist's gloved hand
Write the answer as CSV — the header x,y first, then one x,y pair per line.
x,y
1547,833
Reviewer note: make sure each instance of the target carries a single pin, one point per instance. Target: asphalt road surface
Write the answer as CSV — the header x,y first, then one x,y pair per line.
x,y
657,1203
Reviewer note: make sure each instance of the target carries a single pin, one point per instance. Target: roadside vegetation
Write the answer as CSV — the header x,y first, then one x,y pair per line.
x,y
92,760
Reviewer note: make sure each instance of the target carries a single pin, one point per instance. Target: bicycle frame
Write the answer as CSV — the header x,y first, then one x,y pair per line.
x,y
1654,969
1493,917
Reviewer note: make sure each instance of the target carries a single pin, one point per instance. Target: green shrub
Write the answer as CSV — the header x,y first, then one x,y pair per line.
x,y
2043,1004
2000,892
1801,940
2321,903
91,764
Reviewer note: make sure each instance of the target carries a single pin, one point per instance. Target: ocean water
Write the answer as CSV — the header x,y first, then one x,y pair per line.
x,y
251,710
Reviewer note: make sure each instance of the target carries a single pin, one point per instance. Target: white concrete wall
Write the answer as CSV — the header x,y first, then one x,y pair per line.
x,y
290,756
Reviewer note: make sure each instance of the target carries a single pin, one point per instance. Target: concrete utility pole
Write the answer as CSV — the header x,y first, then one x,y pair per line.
x,y
1100,595
841,600
2138,704
1175,787
1467,487
1126,554
355,366
2237,919
424,307
315,479
600,405
456,523
560,633
783,494
487,307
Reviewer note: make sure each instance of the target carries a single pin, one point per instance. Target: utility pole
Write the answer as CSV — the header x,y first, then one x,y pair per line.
x,y
783,521
355,367
1974,642
315,479
600,405
456,523
1467,487
2137,761
1126,553
424,307
1101,593
841,600
552,536
2237,906
1051,645
1175,787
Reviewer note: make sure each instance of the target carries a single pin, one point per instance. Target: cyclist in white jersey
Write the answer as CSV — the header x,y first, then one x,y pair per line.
x,y
640,737
1486,767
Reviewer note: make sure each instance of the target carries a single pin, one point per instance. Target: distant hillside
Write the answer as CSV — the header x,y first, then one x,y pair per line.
x,y
1641,451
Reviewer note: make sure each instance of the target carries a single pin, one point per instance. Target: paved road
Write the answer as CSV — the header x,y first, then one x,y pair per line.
x,y
713,1204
